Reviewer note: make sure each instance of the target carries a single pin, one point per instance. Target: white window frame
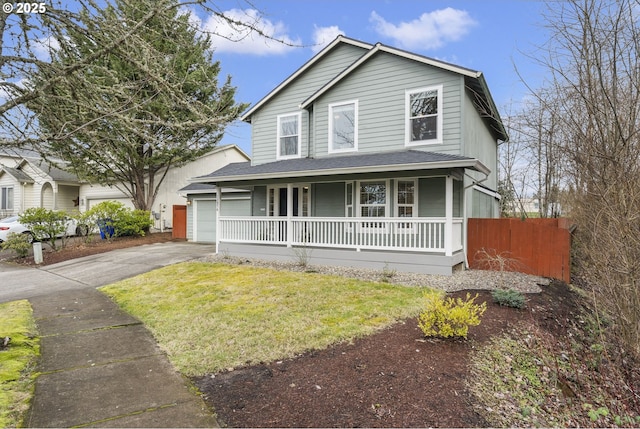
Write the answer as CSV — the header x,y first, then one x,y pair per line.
x,y
349,205
439,121
396,196
355,126
280,136
4,198
304,199
359,205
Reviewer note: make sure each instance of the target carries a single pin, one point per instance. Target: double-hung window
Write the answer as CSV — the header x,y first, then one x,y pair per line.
x,y
373,201
343,127
289,136
406,198
424,116
6,198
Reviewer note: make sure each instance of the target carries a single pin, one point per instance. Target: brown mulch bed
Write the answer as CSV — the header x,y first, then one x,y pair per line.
x,y
395,378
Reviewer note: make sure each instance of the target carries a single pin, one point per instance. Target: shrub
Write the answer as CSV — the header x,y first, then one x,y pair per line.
x,y
508,298
19,243
450,317
114,219
136,222
45,224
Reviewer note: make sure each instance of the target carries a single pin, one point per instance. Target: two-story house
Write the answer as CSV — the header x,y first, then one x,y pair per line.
x,y
368,156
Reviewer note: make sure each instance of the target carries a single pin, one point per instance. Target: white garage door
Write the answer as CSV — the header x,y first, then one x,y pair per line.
x,y
205,221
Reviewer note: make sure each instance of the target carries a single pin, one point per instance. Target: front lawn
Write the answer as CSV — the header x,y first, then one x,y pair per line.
x,y
210,317
17,361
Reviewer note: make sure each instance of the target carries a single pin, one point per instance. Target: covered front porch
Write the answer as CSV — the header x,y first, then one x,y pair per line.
x,y
405,217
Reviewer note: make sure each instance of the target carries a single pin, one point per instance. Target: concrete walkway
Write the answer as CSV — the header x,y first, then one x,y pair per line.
x,y
100,367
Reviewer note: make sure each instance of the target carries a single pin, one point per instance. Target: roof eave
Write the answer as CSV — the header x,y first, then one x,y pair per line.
x,y
246,117
472,164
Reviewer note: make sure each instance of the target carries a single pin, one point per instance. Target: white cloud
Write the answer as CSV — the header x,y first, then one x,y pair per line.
x,y
241,39
42,47
431,30
322,36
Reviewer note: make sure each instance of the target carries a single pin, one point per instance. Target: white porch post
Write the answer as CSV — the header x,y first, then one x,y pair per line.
x,y
448,224
289,214
218,202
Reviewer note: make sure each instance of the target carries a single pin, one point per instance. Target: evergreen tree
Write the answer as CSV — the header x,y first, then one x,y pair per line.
x,y
148,104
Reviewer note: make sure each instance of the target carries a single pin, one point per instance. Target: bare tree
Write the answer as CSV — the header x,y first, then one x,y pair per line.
x,y
27,41
594,66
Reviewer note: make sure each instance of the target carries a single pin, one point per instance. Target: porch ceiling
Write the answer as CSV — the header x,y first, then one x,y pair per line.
x,y
408,160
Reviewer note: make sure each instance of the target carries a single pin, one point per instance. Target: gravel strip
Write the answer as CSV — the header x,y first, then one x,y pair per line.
x,y
460,280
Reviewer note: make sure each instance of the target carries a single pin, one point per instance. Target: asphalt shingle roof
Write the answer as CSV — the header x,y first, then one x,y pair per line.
x,y
19,175
314,166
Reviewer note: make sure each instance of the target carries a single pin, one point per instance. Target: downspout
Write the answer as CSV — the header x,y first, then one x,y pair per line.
x,y
310,134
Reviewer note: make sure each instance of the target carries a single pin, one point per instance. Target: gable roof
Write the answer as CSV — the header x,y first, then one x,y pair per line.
x,y
474,81
301,70
19,175
405,160
53,172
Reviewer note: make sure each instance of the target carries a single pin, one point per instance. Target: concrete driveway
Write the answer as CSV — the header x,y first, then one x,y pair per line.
x,y
18,282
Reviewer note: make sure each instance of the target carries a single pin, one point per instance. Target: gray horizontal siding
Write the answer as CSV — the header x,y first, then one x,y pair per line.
x,y
328,199
264,122
411,262
379,85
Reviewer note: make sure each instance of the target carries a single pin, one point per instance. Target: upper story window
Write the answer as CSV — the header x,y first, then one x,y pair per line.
x,y
289,135
424,116
343,127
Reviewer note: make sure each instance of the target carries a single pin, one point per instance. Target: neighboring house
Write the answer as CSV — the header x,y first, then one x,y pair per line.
x,y
531,206
26,181
366,156
168,194
201,209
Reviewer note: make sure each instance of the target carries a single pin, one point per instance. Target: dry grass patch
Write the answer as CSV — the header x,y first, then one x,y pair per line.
x,y
211,317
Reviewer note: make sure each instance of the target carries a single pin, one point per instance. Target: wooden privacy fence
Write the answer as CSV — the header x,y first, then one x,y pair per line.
x,y
531,246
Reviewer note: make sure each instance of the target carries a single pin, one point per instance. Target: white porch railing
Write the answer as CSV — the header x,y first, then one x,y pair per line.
x,y
407,234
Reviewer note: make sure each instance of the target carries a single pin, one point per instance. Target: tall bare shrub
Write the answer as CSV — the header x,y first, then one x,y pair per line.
x,y
595,72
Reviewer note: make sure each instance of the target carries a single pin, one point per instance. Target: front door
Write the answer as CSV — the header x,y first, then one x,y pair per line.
x,y
277,200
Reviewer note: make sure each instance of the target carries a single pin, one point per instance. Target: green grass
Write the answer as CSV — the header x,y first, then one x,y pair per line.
x,y
211,317
17,361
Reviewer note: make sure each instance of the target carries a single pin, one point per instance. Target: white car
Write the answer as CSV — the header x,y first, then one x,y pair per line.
x,y
12,224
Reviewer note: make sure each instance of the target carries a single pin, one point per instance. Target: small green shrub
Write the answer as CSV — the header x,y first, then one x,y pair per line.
x,y
136,222
508,298
114,219
19,243
45,225
449,317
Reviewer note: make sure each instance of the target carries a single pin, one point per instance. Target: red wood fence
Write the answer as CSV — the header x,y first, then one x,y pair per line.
x,y
532,246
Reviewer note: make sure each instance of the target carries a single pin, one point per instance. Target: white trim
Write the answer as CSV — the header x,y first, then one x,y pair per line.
x,y
355,126
276,198
415,205
474,164
407,117
298,115
487,191
381,48
301,70
359,205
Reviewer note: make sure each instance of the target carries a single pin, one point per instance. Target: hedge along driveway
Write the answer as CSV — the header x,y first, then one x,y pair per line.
x,y
210,317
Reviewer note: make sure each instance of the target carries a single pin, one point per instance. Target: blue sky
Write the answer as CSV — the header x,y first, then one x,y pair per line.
x,y
492,36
